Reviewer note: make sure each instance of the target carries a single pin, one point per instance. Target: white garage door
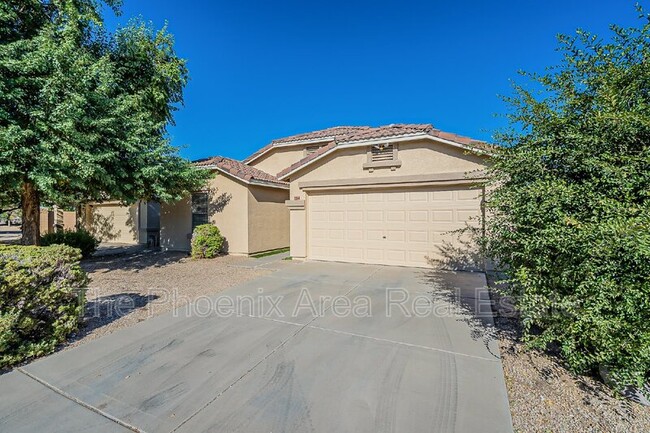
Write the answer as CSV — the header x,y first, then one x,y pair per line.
x,y
115,223
395,227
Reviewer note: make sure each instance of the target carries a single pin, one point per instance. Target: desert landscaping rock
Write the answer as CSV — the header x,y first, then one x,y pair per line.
x,y
545,397
128,289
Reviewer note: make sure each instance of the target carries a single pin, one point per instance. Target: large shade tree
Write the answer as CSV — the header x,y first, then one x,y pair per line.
x,y
569,215
84,113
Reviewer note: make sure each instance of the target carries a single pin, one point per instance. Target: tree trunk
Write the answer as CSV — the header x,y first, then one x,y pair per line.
x,y
31,205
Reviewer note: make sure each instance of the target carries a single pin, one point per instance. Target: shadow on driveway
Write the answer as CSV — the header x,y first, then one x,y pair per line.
x,y
134,262
107,309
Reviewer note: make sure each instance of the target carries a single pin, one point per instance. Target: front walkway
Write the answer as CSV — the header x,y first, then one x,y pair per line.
x,y
292,360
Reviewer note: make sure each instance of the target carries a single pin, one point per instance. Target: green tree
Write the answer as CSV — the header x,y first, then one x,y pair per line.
x,y
569,213
84,113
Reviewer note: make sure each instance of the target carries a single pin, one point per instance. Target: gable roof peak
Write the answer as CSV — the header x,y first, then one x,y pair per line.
x,y
239,170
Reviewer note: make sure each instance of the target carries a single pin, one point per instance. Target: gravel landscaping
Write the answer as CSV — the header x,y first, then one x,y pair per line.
x,y
128,289
545,397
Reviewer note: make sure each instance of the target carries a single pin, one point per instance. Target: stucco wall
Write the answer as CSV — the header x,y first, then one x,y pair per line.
x,y
176,225
228,209
278,159
113,222
418,157
268,219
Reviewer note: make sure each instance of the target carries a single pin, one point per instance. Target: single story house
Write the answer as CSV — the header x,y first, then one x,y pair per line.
x,y
393,195
115,222
245,203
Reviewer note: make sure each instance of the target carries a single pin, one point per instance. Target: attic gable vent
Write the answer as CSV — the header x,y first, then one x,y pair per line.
x,y
382,156
382,152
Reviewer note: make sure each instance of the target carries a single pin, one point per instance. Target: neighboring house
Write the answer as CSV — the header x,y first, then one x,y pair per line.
x,y
114,222
384,195
246,204
56,219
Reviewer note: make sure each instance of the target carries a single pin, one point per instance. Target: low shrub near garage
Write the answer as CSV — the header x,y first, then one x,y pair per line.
x,y
207,242
81,239
41,299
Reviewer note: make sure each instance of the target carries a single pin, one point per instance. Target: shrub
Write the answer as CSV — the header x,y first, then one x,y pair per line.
x,y
41,299
81,239
206,242
569,215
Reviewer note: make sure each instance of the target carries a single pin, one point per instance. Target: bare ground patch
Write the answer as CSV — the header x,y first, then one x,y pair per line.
x,y
125,290
546,397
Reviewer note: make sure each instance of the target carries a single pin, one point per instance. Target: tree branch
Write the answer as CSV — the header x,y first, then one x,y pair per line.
x,y
9,210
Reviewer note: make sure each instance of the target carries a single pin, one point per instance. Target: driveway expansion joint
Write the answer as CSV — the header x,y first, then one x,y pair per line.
x,y
268,355
402,343
80,402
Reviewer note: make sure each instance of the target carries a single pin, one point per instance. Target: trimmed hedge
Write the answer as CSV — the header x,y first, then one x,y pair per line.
x,y
206,242
41,299
81,239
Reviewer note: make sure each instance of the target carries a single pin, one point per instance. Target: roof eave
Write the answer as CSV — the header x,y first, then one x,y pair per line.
x,y
393,139
288,144
247,181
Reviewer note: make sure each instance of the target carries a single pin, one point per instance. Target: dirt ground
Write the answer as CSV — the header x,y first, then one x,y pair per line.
x,y
128,289
545,397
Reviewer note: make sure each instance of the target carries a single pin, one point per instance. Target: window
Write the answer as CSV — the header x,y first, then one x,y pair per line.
x,y
382,156
200,209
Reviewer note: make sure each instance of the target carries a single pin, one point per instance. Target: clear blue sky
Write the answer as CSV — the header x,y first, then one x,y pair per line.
x,y
267,69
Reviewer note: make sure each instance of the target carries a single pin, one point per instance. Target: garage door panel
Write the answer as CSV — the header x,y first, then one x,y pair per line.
x,y
355,216
469,194
396,216
441,195
418,216
355,235
375,215
396,256
466,215
374,197
418,196
398,227
355,254
374,255
442,216
397,196
396,235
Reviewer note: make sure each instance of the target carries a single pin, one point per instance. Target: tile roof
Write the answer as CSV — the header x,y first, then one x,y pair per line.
x,y
239,170
346,134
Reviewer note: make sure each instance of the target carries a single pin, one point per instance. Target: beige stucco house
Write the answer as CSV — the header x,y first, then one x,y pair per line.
x,y
247,204
391,195
116,223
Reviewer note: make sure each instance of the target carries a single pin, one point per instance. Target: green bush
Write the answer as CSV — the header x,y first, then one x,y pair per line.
x,y
41,299
81,239
569,212
206,242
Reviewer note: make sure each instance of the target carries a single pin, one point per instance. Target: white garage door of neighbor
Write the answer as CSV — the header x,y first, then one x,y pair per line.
x,y
394,227
115,223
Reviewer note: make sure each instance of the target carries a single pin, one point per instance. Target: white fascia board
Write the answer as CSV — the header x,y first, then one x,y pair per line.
x,y
385,140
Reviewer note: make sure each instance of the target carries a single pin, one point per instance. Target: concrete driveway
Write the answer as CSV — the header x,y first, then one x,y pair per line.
x,y
283,357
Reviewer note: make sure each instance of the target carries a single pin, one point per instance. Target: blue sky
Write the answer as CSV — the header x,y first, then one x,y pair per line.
x,y
267,69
